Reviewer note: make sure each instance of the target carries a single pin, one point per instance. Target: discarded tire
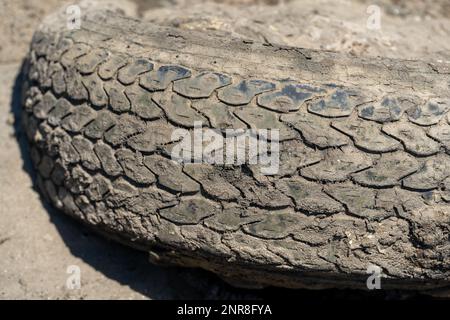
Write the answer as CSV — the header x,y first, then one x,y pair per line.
x,y
364,144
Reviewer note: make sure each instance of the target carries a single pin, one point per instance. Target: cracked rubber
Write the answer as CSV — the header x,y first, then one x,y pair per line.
x,y
364,148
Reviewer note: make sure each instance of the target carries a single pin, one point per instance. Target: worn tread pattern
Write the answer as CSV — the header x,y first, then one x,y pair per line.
x,y
363,179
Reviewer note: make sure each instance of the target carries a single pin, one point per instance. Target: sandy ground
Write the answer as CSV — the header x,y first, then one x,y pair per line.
x,y
37,244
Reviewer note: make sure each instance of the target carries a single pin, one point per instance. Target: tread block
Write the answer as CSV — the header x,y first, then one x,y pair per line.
x,y
44,131
42,108
94,86
359,201
155,135
58,79
78,180
315,130
86,208
434,218
201,85
388,171
68,202
261,193
274,225
229,220
117,98
104,121
219,114
339,104
134,167
125,128
212,182
338,165
442,134
80,117
258,118
74,85
85,149
53,68
293,155
413,137
190,211
59,142
290,98
33,74
243,92
430,175
44,78
142,103
62,46
367,135
89,62
170,175
106,156
121,192
149,201
129,73
309,196
61,109
108,69
159,80
330,228
178,109
32,96
99,187
430,113
52,47
75,51
390,198
387,110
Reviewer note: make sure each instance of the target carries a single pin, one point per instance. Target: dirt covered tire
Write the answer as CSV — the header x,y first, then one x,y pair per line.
x,y
364,166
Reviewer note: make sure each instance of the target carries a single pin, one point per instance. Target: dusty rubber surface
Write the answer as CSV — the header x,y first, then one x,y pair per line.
x,y
364,165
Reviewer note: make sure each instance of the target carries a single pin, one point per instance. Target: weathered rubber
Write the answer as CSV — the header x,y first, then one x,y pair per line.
x,y
365,143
